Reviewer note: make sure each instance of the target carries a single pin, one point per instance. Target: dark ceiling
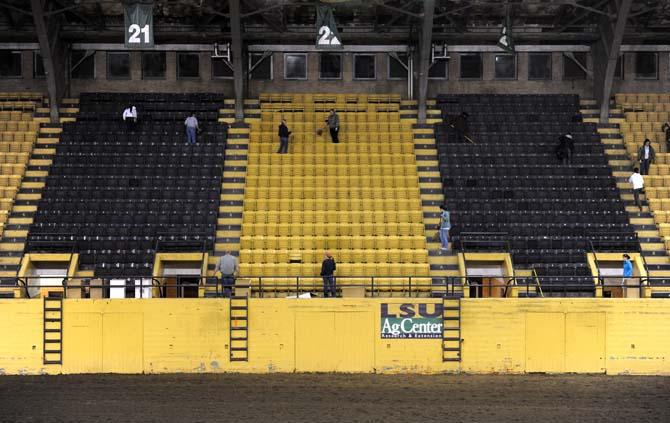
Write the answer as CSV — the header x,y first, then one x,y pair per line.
x,y
378,21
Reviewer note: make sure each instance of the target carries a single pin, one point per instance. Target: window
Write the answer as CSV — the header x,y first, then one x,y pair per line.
x,y
505,66
539,66
618,71
10,64
220,69
188,65
330,66
295,66
571,70
364,66
397,68
471,66
38,66
82,64
153,65
439,70
263,69
118,65
646,65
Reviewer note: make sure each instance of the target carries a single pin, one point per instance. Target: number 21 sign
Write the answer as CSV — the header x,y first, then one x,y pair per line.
x,y
327,36
139,24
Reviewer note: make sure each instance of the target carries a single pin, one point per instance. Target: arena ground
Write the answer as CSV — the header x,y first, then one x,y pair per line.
x,y
334,398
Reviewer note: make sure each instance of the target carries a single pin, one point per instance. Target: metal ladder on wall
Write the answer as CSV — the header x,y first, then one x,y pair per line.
x,y
52,335
451,329
239,328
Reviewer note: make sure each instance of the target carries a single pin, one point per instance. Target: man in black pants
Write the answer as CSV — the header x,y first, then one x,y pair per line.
x,y
327,269
283,137
333,122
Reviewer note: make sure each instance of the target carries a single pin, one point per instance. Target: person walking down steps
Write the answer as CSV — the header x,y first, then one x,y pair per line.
x,y
284,133
333,122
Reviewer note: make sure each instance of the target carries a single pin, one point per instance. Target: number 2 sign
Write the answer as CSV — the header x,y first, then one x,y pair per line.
x,y
327,36
139,23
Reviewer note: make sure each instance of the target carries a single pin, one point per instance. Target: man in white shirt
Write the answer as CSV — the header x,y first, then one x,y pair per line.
x,y
638,185
191,128
130,117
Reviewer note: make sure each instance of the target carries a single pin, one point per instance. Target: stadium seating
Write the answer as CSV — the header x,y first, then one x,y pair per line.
x,y
510,181
114,196
18,132
359,198
645,114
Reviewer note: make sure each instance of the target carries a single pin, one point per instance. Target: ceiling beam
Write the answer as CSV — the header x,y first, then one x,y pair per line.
x,y
15,9
582,16
399,10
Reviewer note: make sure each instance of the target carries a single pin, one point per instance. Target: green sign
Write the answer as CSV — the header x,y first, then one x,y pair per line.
x,y
506,42
139,23
411,321
327,36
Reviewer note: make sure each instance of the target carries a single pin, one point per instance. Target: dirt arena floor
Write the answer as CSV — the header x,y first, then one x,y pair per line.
x,y
334,398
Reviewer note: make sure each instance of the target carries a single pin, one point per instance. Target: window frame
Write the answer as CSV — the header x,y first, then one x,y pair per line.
x,y
621,58
188,78
20,75
324,78
211,67
353,67
551,66
481,67
306,56
388,69
259,55
446,70
571,78
36,54
150,78
109,66
646,78
94,70
516,67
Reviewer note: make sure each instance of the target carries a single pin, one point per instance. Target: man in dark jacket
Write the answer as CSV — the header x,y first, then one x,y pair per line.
x,y
666,128
333,123
565,149
646,156
327,269
460,124
283,137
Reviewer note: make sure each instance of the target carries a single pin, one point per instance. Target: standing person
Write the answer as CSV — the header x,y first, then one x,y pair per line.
x,y
130,117
638,185
192,128
333,122
646,156
565,149
229,268
627,273
284,133
666,128
327,270
445,226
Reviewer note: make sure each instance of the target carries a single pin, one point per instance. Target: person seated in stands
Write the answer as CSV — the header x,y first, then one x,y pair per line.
x,y
229,268
646,156
445,226
192,128
666,128
327,273
460,124
283,137
130,117
565,149
333,122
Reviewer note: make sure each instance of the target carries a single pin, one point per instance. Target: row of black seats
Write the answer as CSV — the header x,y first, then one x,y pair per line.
x,y
134,194
126,182
548,158
498,193
99,232
514,131
535,230
114,117
537,217
531,99
522,170
127,150
205,137
138,171
538,181
534,204
124,98
495,148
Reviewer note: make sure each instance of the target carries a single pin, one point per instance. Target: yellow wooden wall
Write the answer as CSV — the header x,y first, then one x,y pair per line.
x,y
616,336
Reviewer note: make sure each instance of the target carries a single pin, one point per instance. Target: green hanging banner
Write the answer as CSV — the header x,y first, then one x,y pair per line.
x,y
139,24
506,42
327,37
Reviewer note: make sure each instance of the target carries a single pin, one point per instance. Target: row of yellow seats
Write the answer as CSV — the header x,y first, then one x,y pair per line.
x,y
657,192
642,98
647,117
344,137
345,126
18,105
4,215
324,109
365,185
396,197
331,216
657,181
332,170
343,270
343,256
12,169
270,121
354,204
10,181
8,192
20,95
16,126
634,146
647,107
16,147
642,126
14,158
328,97
299,159
639,137
659,169
6,203
15,116
332,229
664,228
659,204
333,242
325,149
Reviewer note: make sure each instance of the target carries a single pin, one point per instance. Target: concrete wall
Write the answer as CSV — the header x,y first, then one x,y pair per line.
x,y
632,85
611,336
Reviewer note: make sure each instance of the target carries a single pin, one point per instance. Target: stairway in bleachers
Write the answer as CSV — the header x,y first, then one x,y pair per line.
x,y
510,181
360,198
114,196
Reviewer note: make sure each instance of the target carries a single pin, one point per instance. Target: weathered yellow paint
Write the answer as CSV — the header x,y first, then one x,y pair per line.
x,y
616,336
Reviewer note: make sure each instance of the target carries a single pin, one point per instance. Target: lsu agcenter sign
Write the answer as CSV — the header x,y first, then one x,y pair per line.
x,y
411,321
